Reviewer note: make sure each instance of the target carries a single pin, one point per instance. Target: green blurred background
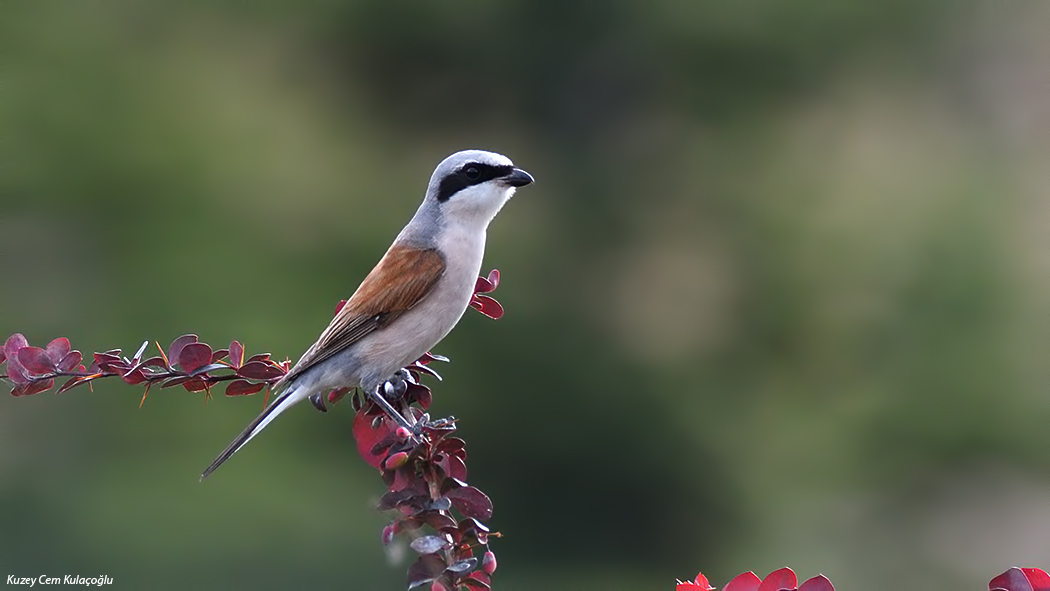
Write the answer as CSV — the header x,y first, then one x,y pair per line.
x,y
779,296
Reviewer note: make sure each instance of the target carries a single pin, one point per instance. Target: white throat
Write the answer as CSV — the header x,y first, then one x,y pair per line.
x,y
475,207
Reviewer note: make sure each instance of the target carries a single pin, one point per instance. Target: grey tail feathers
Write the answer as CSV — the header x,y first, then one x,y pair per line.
x,y
279,405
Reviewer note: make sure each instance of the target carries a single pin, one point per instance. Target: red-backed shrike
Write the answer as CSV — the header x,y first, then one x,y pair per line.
x,y
412,298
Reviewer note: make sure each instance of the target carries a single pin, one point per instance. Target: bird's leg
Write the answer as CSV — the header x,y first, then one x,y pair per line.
x,y
394,389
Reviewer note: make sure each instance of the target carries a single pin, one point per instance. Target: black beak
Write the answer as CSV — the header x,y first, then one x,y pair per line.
x,y
518,178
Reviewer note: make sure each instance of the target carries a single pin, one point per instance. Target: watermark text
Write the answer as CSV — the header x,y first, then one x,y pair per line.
x,y
66,580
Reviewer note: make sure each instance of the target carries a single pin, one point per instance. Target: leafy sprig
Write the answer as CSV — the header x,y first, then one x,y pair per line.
x,y
425,473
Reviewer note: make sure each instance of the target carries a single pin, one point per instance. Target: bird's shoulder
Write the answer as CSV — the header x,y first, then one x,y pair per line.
x,y
401,279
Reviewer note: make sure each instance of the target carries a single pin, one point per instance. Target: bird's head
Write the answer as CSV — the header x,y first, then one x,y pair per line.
x,y
471,186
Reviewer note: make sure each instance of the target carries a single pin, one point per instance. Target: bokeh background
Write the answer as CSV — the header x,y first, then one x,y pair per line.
x,y
780,296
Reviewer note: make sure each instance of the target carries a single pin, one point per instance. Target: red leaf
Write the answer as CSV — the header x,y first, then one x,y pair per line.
x,y
259,370
1013,579
779,579
158,362
107,359
430,356
57,349
35,360
748,581
70,361
175,348
438,520
487,284
453,446
471,502
454,466
117,367
13,344
699,584
243,388
195,385
487,306
474,584
3,356
39,386
367,438
420,394
36,387
418,367
817,583
70,383
339,307
194,355
15,372
133,377
219,355
482,285
236,354
403,478
429,544
259,357
1038,578
427,568
477,580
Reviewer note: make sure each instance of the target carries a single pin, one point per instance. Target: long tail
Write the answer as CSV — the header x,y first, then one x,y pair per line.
x,y
282,403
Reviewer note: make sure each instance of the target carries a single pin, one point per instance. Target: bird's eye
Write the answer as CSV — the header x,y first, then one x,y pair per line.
x,y
472,172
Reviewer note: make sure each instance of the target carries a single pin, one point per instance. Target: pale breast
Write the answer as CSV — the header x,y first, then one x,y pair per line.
x,y
421,328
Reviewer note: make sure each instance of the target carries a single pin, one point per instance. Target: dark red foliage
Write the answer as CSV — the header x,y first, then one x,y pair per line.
x,y
471,502
35,360
194,356
187,363
426,488
243,387
484,304
425,472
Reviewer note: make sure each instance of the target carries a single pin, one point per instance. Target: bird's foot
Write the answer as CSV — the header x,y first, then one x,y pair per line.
x,y
395,388
392,390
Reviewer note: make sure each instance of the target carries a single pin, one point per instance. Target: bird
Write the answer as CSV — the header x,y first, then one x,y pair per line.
x,y
412,298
